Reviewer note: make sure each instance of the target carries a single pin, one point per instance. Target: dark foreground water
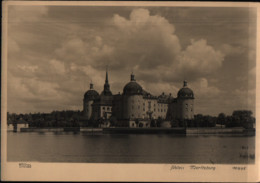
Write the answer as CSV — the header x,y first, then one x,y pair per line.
x,y
130,148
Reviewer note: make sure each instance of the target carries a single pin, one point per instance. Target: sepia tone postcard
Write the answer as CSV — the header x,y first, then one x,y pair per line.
x,y
130,91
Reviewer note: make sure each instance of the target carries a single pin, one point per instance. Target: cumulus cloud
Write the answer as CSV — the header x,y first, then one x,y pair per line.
x,y
146,44
200,58
203,89
228,49
30,68
57,66
32,88
78,51
142,42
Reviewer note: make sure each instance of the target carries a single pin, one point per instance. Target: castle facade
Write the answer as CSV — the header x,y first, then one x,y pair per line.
x,y
137,104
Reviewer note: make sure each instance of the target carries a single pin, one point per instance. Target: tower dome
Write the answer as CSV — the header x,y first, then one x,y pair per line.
x,y
132,88
91,94
185,92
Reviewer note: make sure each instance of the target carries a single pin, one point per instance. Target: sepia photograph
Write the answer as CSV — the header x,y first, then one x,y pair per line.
x,y
129,85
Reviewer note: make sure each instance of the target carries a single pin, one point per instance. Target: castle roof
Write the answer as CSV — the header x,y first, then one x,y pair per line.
x,y
91,94
185,92
132,88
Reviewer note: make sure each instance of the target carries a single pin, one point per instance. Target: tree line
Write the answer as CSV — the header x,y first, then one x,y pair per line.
x,y
69,118
239,118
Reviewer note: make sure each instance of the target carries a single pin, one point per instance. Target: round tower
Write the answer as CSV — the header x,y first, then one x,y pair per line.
x,y
132,100
185,102
88,100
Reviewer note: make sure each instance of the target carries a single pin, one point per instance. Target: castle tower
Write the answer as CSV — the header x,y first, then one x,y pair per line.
x,y
132,100
185,102
88,100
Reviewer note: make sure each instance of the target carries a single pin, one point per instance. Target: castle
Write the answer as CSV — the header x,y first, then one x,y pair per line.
x,y
137,104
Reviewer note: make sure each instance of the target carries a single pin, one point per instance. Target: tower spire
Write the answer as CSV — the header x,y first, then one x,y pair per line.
x,y
106,76
106,90
185,83
91,85
132,77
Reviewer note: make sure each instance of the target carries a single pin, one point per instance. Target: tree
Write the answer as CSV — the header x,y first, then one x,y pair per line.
x,y
221,119
243,118
198,120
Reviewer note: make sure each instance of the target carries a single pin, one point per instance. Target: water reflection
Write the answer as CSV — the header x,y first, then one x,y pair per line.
x,y
129,148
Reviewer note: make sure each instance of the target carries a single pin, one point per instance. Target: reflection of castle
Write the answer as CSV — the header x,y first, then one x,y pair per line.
x,y
136,103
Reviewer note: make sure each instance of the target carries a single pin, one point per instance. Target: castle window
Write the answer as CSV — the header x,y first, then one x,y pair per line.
x,y
161,110
144,109
104,108
190,109
139,107
108,108
154,109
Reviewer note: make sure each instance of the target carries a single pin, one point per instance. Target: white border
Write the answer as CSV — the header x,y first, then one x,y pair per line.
x,y
119,172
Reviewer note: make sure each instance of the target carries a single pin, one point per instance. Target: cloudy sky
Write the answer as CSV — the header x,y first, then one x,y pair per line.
x,y
55,51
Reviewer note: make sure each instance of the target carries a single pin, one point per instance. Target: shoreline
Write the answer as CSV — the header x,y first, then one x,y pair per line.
x,y
127,130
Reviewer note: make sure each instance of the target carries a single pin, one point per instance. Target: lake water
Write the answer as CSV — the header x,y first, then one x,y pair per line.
x,y
129,148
